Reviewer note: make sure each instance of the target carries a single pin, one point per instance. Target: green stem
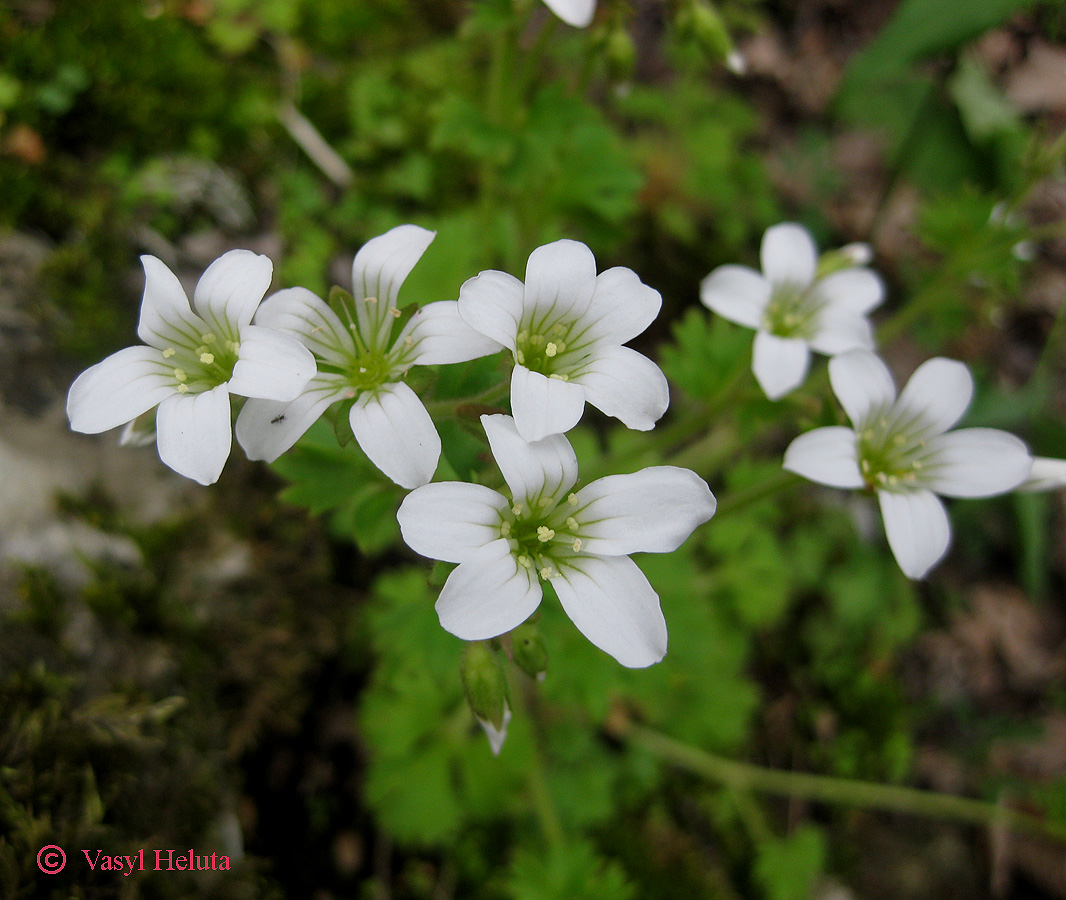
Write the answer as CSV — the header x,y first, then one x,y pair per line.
x,y
839,791
540,796
775,484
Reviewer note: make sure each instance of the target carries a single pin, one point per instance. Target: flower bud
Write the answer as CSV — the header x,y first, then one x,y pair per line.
x,y
484,683
530,654
620,53
847,257
700,20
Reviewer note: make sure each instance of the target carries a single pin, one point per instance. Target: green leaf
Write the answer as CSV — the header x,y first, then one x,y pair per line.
x,y
789,868
573,871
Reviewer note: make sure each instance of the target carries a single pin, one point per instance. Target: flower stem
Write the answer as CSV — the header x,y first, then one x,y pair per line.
x,y
839,791
540,796
775,484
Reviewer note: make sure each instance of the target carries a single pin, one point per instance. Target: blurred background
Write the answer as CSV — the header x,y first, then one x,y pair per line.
x,y
255,669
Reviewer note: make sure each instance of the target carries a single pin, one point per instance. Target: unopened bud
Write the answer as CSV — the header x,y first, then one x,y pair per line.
x,y
496,735
530,654
701,21
621,55
847,257
484,683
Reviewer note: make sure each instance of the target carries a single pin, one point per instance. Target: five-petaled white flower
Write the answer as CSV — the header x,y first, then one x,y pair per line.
x,y
578,541
566,326
578,13
902,449
792,310
364,359
196,356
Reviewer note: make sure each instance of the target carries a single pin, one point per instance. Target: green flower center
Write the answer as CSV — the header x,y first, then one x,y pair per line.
x,y
204,366
791,312
541,533
549,351
369,369
893,454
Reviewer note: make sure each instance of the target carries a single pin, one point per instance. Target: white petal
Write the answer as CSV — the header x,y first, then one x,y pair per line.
x,y
397,434
496,735
166,316
977,462
1046,475
543,406
441,336
271,365
491,303
780,364
788,255
267,428
560,282
613,605
622,383
939,391
916,524
118,389
839,330
862,383
736,293
653,510
826,455
488,594
378,271
856,290
622,307
532,470
301,313
230,291
382,264
193,433
574,12
450,520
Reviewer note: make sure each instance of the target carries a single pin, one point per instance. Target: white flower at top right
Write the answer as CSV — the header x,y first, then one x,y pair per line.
x,y
902,448
793,310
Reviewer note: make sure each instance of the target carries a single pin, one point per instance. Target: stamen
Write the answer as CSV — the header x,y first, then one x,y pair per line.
x,y
371,299
505,528
207,358
551,349
180,375
577,544
547,572
544,533
559,376
394,312
523,336
571,498
183,388
524,561
517,509
571,523
520,357
169,352
208,338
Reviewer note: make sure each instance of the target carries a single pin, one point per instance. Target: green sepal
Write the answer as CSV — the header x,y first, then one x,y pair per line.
x,y
342,303
484,682
342,422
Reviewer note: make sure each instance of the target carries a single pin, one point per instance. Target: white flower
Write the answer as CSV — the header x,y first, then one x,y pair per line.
x,y
196,356
792,310
574,12
1046,475
579,541
566,326
365,359
902,449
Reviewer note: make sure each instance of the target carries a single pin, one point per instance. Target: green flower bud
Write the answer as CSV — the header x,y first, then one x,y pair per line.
x,y
621,55
530,654
700,20
484,683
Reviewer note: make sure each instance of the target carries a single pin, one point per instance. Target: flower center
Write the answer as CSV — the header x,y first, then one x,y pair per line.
x,y
204,366
369,369
893,454
548,351
791,312
541,533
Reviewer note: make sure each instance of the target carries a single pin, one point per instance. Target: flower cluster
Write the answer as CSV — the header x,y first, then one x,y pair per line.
x,y
292,356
